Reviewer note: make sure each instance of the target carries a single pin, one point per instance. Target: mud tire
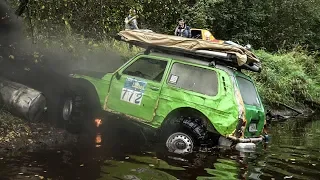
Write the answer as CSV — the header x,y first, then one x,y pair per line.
x,y
192,127
81,118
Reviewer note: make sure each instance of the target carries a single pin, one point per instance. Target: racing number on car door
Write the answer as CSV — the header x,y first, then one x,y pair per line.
x,y
133,91
137,90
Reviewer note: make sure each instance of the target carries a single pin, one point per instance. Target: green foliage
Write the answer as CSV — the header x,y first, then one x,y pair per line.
x,y
289,77
274,24
271,24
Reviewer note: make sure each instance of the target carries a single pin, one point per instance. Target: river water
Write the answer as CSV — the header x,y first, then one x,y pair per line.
x,y
293,152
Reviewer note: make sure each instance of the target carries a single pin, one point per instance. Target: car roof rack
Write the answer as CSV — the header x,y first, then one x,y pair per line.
x,y
208,55
224,59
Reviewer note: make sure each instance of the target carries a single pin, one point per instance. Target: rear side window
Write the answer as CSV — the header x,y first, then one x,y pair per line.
x,y
194,79
248,92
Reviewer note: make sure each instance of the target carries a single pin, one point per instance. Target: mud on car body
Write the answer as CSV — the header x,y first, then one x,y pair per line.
x,y
186,100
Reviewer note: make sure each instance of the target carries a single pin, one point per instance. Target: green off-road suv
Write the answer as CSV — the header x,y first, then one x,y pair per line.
x,y
187,99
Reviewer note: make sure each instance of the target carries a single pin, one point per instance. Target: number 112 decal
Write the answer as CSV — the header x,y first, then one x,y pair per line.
x,y
133,91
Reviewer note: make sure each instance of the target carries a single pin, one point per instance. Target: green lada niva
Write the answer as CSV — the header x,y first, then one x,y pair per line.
x,y
188,92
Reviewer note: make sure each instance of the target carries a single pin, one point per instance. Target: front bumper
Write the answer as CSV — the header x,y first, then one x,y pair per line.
x,y
248,140
246,144
242,144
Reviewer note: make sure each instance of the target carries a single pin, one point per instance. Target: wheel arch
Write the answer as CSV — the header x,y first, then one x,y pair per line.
x,y
189,111
88,88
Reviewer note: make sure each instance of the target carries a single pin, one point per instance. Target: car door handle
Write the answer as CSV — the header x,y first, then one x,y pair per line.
x,y
154,88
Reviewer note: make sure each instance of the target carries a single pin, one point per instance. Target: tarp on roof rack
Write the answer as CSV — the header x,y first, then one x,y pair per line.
x,y
148,37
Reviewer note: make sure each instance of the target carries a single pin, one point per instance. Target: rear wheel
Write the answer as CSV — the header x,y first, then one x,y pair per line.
x,y
183,135
180,143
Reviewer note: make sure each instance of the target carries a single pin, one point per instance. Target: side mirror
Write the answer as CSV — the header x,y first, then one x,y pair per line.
x,y
118,76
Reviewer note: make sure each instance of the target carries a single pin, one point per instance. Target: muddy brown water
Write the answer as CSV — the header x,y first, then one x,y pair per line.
x,y
116,152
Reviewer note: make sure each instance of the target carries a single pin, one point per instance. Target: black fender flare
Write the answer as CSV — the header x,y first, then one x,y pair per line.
x,y
75,83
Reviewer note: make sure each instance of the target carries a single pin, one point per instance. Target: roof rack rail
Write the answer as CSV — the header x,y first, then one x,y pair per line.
x,y
225,59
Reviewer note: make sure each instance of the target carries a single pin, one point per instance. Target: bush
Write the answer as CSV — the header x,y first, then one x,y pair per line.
x,y
289,77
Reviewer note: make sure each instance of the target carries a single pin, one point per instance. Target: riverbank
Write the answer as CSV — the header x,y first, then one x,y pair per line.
x,y
18,136
290,77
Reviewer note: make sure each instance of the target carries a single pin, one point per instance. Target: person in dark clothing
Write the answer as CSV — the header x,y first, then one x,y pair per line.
x,y
182,29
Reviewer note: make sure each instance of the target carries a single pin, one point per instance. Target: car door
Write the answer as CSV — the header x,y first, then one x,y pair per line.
x,y
136,89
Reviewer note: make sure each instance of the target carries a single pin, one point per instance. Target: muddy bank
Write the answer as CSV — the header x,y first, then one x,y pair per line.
x,y
18,136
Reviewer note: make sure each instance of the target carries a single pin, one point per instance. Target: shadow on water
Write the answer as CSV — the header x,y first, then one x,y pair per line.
x,y
117,152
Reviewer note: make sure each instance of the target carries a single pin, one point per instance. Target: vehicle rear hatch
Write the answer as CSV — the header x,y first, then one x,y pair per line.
x,y
255,114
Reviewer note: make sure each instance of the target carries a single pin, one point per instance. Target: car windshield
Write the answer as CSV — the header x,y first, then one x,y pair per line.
x,y
248,92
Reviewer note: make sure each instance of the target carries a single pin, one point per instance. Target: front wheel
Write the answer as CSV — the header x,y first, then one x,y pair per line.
x,y
67,108
76,113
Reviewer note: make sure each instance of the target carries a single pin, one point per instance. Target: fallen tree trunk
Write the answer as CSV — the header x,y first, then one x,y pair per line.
x,y
21,100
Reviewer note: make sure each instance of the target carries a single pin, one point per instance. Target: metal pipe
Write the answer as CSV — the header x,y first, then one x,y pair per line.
x,y
22,100
246,140
213,53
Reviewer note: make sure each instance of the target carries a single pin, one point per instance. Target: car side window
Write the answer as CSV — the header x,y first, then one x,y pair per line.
x,y
248,92
147,68
192,78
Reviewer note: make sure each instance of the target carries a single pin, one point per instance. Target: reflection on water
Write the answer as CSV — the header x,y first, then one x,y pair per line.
x,y
222,169
115,153
137,167
293,152
98,140
98,122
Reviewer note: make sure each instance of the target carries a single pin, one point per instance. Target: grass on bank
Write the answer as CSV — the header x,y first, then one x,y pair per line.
x,y
289,77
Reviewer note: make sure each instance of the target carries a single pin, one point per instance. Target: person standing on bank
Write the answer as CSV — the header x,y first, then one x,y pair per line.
x,y
182,29
131,20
